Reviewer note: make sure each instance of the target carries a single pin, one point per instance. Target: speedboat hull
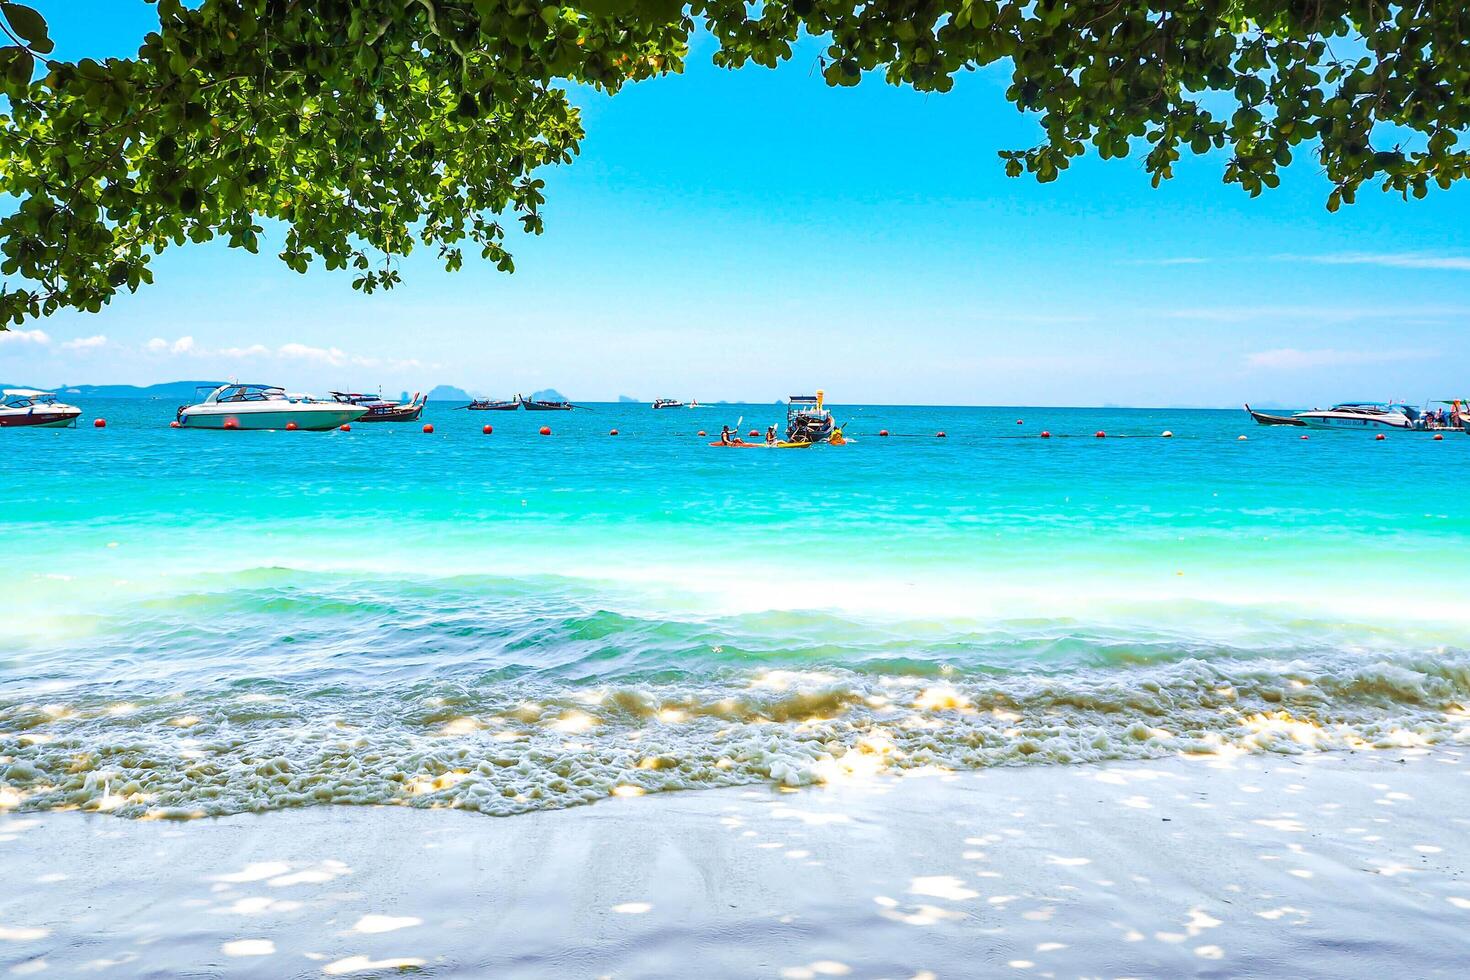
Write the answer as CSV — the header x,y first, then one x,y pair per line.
x,y
58,418
1353,422
317,417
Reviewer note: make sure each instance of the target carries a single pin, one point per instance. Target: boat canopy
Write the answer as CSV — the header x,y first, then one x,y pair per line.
x,y
358,396
803,399
247,393
26,393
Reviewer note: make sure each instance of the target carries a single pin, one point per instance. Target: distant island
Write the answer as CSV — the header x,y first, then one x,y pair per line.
x,y
448,393
628,400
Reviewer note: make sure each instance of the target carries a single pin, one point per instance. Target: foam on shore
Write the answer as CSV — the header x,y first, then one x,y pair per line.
x,y
514,746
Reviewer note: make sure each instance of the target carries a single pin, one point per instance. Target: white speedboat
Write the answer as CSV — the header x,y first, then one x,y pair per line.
x,y
1360,416
237,406
22,407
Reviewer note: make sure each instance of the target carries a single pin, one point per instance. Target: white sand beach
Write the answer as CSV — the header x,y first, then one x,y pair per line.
x,y
1322,864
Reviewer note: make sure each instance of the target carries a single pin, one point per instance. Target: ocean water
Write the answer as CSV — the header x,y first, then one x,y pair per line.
x,y
199,623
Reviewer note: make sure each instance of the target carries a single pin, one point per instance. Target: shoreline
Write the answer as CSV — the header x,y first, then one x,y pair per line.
x,y
1344,864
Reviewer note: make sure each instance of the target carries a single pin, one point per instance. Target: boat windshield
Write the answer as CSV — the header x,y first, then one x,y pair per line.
x,y
26,397
250,393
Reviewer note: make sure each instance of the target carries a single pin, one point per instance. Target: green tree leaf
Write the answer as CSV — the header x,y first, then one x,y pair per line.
x,y
29,25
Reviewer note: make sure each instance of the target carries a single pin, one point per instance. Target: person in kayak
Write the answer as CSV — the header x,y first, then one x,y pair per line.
x,y
725,436
771,436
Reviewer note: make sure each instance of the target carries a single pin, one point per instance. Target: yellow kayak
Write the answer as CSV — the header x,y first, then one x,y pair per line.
x,y
794,445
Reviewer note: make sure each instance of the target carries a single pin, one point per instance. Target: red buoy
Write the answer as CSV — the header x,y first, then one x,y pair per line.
x,y
754,433
1304,437
345,427
883,432
429,428
1380,437
175,424
702,432
613,432
1045,434
546,430
488,429
1438,437
1020,421
1100,434
291,427
940,435
99,423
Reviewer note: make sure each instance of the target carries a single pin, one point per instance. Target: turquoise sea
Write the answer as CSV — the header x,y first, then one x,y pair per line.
x,y
204,622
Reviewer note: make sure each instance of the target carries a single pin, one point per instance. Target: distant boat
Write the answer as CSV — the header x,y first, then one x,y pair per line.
x,y
1263,419
237,406
667,403
380,409
807,418
532,405
29,408
491,405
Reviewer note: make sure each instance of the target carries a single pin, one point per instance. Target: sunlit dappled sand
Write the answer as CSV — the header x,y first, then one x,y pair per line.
x,y
1321,864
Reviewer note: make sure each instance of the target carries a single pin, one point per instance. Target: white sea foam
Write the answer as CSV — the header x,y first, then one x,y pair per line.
x,y
510,747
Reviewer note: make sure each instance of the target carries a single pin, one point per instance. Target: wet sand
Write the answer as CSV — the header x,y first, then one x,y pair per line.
x,y
1317,865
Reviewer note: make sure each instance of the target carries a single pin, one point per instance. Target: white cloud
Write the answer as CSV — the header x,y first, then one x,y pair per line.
x,y
1392,260
1290,359
1314,314
85,343
329,356
337,357
40,337
325,355
184,345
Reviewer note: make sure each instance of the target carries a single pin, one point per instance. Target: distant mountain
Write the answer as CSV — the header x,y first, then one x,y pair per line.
x,y
168,390
449,393
549,395
628,399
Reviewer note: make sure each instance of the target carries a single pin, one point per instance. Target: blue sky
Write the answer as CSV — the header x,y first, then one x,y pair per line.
x,y
741,235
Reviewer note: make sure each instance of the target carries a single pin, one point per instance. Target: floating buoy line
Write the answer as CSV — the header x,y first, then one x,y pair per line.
x,y
230,423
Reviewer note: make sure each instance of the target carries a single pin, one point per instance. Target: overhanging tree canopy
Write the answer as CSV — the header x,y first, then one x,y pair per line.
x,y
367,125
